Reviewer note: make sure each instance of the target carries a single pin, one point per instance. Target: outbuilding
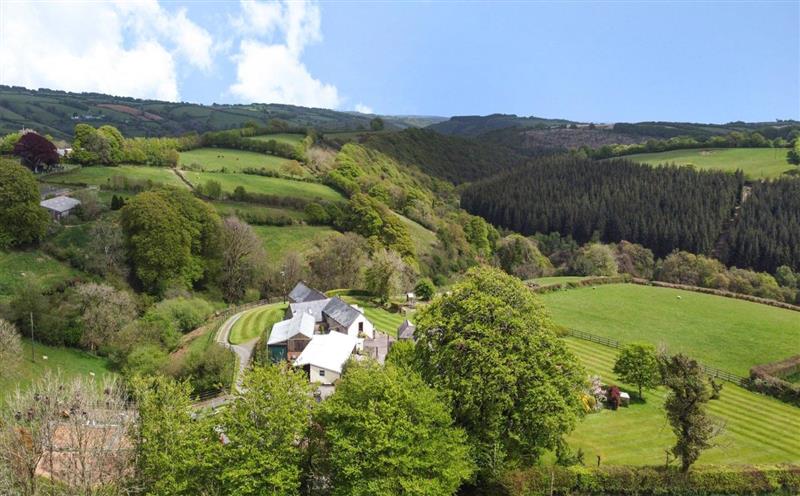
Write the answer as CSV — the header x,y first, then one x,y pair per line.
x,y
60,206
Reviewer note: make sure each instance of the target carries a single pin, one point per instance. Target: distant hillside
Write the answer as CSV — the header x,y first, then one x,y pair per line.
x,y
537,141
56,113
452,158
475,125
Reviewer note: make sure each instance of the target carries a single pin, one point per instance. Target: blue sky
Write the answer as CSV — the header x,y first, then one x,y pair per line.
x,y
588,61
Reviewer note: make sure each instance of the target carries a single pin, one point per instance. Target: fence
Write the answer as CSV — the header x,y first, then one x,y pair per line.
x,y
613,343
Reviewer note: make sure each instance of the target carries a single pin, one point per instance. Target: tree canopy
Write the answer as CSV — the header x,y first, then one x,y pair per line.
x,y
36,152
489,346
637,364
385,432
22,220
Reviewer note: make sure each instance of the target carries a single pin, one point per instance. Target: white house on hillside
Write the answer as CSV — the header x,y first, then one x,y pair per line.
x,y
313,333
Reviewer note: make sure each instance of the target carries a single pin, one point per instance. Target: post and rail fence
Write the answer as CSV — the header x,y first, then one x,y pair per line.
x,y
613,343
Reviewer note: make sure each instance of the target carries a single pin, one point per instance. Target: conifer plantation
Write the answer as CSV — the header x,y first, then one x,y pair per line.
x,y
663,208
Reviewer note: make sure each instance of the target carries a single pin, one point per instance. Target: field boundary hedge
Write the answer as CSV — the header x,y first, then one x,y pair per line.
x,y
666,481
769,379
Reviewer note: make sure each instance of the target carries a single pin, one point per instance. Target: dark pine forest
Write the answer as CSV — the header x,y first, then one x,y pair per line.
x,y
663,208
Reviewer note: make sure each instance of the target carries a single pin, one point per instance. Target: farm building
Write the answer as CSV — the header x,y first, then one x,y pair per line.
x,y
311,316
406,330
60,206
325,356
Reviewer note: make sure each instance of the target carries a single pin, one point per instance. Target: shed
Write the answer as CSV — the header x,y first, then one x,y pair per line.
x,y
59,206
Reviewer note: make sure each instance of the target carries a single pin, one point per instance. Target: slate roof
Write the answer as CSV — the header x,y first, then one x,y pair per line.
x,y
406,330
328,351
314,307
60,204
300,323
341,312
302,293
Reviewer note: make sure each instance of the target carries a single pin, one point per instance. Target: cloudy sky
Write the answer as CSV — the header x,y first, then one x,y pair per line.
x,y
599,61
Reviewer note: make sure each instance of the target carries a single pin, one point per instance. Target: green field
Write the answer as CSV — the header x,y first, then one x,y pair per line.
x,y
227,208
756,163
216,159
424,239
289,139
730,334
758,429
71,362
265,185
385,321
19,268
100,176
280,241
255,322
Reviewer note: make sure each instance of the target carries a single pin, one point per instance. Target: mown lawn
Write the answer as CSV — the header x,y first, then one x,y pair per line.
x,y
19,268
289,139
217,159
758,429
71,362
265,185
730,334
255,322
385,321
756,163
279,241
99,175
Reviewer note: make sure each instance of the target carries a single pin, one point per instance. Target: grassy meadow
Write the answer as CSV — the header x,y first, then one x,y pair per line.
x,y
228,208
286,138
730,334
280,241
69,361
265,185
99,175
19,268
424,239
756,163
546,281
217,159
757,429
255,322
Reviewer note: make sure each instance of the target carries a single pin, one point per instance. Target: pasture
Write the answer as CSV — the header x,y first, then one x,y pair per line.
x,y
279,241
21,268
424,239
255,322
69,361
286,138
756,163
757,429
99,175
730,334
266,185
227,160
228,208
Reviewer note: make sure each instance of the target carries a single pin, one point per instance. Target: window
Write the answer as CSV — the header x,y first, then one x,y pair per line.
x,y
360,327
321,373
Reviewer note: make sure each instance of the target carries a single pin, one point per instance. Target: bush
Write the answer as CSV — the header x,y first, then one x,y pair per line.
x,y
424,290
620,480
595,260
186,314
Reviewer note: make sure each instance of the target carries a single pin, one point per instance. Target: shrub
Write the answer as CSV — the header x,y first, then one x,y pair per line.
x,y
185,313
595,260
424,290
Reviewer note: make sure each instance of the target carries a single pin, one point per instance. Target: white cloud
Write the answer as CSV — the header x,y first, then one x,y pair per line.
x,y
269,66
122,48
364,109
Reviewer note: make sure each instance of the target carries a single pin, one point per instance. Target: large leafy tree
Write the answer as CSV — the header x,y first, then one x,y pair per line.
x,y
384,432
36,152
637,364
685,406
172,237
243,258
264,427
22,220
793,155
513,386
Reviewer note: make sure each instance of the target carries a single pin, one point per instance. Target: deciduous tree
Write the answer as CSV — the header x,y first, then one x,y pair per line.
x,y
36,152
490,347
22,220
637,364
243,258
385,432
